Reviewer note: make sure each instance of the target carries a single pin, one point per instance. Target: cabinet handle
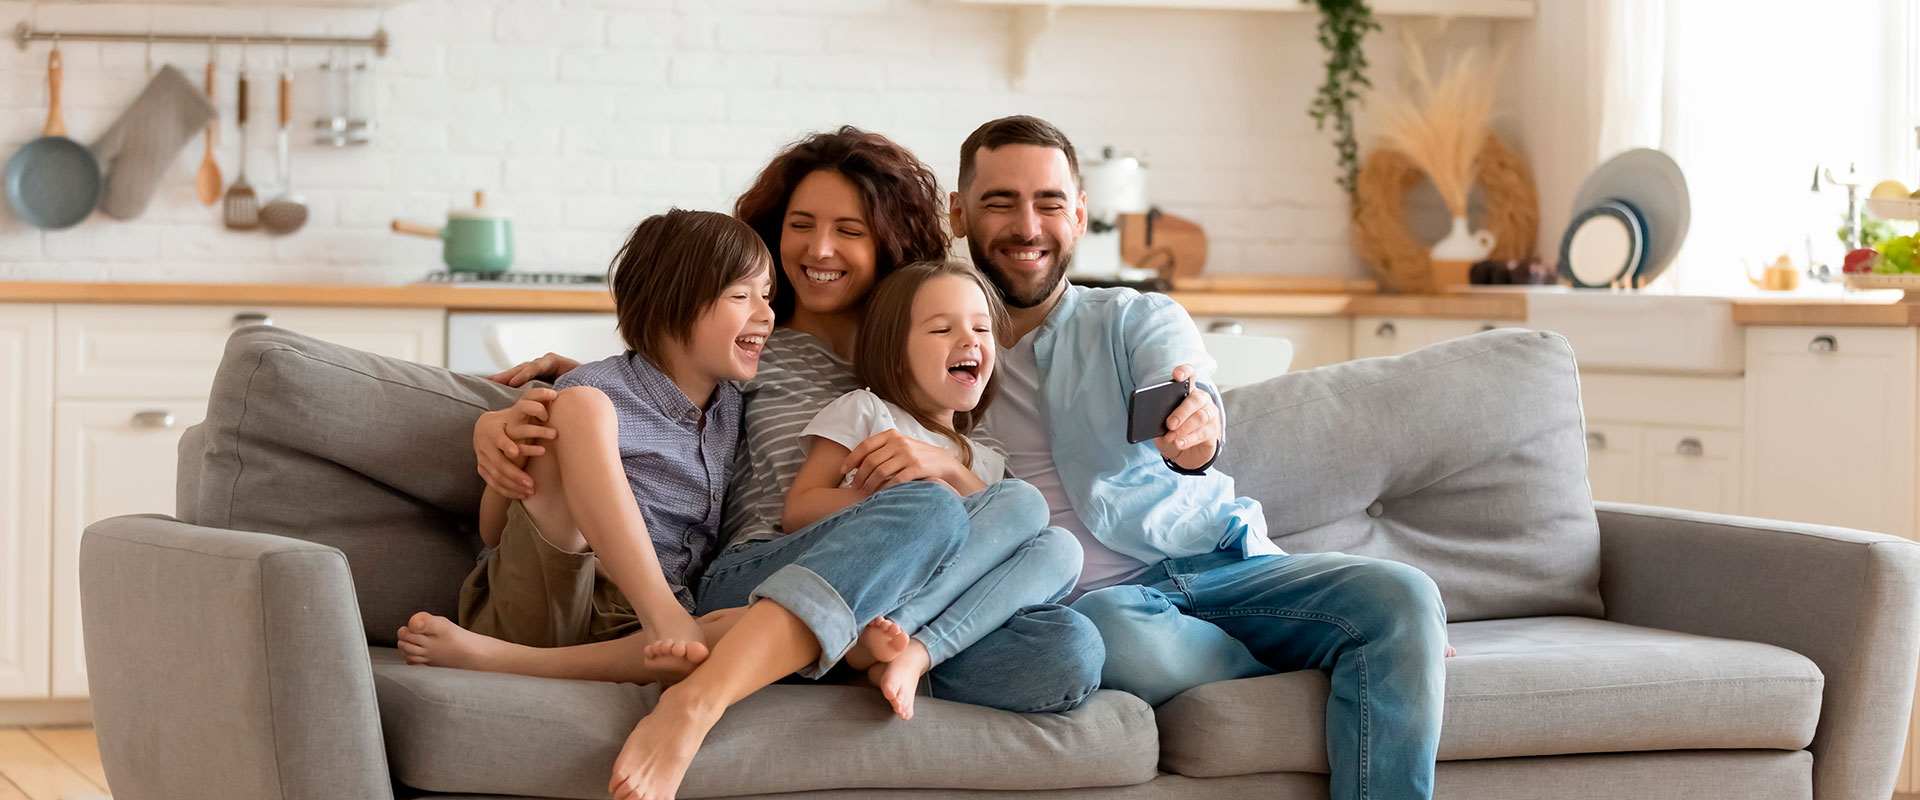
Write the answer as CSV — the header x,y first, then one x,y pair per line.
x,y
1823,344
1231,326
153,419
1690,446
1596,440
1386,331
251,318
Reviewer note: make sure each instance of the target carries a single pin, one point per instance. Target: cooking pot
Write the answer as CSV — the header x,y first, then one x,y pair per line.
x,y
479,240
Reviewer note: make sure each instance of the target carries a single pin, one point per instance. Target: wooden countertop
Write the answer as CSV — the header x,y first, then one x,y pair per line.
x,y
1881,309
1220,300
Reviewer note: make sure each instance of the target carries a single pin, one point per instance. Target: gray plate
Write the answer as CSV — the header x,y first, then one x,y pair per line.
x,y
53,182
1653,184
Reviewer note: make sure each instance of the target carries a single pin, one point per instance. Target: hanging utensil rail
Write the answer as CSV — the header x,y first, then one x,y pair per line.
x,y
25,33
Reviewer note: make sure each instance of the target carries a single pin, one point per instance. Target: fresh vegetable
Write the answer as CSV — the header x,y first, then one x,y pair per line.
x,y
1897,257
1860,261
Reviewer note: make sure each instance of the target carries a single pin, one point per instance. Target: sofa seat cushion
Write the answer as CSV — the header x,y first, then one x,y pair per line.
x,y
1525,687
450,730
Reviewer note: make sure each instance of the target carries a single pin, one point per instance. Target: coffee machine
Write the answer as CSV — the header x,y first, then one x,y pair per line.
x,y
1115,185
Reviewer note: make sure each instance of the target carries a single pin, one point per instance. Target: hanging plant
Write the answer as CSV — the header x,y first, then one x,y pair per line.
x,y
1343,25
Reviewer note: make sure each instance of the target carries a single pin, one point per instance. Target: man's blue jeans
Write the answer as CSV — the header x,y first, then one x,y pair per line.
x,y
870,558
1377,627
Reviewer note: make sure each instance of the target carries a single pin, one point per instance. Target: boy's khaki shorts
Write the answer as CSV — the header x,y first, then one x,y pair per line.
x,y
529,592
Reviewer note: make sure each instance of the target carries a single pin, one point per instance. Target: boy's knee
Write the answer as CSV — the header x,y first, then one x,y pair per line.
x,y
580,405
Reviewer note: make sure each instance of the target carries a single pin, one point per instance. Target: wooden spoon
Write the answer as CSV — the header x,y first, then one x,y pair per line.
x,y
208,182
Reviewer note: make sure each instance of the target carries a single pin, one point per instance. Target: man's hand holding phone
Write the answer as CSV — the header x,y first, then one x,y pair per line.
x,y
1190,433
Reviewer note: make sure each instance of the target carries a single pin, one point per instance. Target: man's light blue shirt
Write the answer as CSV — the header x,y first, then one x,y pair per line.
x,y
1096,347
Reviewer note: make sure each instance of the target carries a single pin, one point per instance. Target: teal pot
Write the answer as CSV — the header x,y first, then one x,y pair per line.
x,y
471,241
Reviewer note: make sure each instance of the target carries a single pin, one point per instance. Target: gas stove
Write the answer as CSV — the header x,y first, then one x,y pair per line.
x,y
511,279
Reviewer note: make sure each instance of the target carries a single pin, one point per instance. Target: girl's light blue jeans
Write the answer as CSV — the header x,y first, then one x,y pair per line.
x,y
1010,559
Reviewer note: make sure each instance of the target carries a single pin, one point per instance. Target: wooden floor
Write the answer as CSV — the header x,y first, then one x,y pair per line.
x,y
50,763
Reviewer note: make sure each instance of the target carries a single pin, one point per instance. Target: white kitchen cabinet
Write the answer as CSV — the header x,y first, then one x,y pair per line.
x,y
109,458
1614,468
1665,440
1697,469
1391,336
1317,341
107,351
26,414
1830,427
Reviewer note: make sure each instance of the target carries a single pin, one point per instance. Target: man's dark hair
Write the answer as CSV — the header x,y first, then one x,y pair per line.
x,y
1019,129
672,269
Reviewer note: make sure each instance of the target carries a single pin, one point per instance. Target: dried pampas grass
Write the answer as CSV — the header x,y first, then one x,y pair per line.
x,y
1442,125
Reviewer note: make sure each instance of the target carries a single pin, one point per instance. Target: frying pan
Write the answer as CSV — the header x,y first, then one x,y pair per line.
x,y
53,182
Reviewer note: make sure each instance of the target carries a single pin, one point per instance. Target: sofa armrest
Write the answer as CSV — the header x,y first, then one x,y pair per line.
x,y
225,664
1848,600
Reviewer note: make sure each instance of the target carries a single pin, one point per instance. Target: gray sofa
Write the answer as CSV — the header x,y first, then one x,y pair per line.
x,y
241,649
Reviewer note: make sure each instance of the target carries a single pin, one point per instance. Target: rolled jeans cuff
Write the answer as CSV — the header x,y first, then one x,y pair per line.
x,y
819,606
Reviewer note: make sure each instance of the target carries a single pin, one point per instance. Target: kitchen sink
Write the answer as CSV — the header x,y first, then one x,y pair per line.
x,y
1627,331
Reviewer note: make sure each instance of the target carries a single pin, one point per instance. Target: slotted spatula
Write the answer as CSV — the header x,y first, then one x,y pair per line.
x,y
242,208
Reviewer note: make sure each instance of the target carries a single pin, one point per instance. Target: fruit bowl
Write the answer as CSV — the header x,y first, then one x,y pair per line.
x,y
1894,208
1908,283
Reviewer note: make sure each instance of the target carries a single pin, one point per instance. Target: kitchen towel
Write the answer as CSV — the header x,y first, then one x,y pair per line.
x,y
135,152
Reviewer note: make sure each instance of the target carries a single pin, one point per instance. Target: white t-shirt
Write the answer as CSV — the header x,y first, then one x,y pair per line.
x,y
859,414
1015,419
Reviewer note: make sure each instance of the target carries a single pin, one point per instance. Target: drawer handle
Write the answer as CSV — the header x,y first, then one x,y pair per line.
x,y
1386,331
1822,344
1690,446
251,318
153,419
1596,440
1231,326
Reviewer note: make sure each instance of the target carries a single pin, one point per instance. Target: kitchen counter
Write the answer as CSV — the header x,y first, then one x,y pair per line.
x,y
1860,309
1219,301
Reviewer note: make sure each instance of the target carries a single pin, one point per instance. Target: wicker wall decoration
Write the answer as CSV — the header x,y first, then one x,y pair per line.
x,y
1404,264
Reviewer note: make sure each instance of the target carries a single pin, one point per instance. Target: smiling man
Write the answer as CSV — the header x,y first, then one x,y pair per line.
x,y
1180,576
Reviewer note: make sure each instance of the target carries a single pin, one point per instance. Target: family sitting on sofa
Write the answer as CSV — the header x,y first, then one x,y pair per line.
x,y
827,443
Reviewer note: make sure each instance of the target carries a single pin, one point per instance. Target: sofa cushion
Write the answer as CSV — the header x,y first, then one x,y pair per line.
x,y
450,730
1525,687
370,454
1466,459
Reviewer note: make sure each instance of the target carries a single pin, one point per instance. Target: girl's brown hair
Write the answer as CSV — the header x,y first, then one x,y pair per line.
x,y
899,194
673,268
880,357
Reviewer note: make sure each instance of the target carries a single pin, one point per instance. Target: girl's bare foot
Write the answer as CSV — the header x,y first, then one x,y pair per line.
x,y
899,678
654,760
673,660
1451,652
433,640
880,641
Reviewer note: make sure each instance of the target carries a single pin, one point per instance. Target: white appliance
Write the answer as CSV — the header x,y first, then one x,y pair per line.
x,y
485,343
1114,186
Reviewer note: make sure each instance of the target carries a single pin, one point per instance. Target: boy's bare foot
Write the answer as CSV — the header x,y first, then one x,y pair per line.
x,y
899,678
433,640
882,640
654,760
673,660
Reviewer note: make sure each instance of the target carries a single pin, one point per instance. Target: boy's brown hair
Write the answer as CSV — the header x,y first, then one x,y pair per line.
x,y
1019,129
673,268
880,357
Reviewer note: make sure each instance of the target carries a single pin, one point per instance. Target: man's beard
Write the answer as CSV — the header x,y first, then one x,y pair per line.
x,y
1010,294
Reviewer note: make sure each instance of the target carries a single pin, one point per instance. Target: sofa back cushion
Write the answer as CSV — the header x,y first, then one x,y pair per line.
x,y
1466,459
370,454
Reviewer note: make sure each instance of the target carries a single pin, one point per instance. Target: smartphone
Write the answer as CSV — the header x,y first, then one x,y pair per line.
x,y
1148,409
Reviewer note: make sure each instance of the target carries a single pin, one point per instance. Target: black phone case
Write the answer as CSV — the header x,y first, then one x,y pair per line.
x,y
1147,409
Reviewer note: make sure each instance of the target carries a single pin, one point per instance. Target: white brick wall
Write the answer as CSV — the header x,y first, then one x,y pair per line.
x,y
585,115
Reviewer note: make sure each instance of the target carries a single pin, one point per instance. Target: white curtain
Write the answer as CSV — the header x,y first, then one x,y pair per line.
x,y
1748,97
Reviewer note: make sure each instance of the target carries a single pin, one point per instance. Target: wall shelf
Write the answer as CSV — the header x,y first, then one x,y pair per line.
x,y
1032,18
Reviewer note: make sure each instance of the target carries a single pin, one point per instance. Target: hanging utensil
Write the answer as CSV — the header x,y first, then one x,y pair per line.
x,y
288,211
242,208
208,181
53,182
